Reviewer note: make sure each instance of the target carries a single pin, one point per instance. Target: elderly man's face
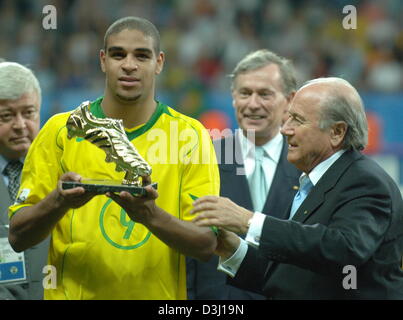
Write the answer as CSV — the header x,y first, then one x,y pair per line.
x,y
259,102
19,124
308,145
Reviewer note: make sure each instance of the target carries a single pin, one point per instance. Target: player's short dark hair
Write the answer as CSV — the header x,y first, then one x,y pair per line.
x,y
134,23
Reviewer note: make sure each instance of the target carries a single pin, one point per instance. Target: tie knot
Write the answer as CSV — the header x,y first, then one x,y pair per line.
x,y
306,184
259,153
12,171
13,168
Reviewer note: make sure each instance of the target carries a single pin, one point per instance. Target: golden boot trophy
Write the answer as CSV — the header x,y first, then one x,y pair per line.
x,y
109,135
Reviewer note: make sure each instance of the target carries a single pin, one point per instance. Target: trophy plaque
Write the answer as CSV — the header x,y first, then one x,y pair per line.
x,y
109,135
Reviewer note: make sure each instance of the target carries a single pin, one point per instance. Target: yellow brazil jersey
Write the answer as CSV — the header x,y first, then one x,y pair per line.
x,y
98,252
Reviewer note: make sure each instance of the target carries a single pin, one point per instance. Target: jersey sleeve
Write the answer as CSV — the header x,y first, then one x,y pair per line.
x,y
201,175
42,165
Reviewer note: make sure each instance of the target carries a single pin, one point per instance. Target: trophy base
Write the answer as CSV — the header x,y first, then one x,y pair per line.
x,y
104,186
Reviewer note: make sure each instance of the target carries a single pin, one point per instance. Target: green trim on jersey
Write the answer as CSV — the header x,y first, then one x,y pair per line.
x,y
213,228
97,111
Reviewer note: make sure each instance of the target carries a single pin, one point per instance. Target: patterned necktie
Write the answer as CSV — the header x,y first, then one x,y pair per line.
x,y
305,187
257,181
13,171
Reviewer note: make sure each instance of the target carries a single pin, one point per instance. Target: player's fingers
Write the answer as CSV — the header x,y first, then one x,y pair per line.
x,y
146,180
115,197
151,193
70,176
69,193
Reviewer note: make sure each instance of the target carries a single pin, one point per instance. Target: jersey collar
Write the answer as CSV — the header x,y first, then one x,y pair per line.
x,y
96,110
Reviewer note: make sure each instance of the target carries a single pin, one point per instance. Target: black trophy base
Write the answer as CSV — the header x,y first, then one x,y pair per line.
x,y
104,186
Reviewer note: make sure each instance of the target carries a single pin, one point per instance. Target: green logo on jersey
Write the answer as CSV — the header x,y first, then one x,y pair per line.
x,y
129,224
127,231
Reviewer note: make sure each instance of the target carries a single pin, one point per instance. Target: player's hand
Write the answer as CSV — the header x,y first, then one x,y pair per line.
x,y
75,197
139,209
221,212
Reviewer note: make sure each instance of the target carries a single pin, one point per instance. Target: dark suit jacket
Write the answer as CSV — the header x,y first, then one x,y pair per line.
x,y
353,216
204,281
35,259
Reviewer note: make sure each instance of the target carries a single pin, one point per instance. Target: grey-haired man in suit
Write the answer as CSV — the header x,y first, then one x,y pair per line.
x,y
263,84
20,99
344,235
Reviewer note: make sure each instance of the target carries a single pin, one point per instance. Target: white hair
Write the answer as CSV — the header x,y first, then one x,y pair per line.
x,y
263,57
343,105
16,80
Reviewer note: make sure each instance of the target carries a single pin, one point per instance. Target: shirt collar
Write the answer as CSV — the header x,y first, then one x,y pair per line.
x,y
272,147
322,167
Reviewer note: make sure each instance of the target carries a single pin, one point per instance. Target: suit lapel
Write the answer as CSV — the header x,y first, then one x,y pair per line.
x,y
283,187
325,183
5,201
232,171
317,194
235,185
283,184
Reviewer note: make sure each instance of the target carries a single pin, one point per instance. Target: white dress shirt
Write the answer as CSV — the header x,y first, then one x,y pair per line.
x,y
231,265
270,160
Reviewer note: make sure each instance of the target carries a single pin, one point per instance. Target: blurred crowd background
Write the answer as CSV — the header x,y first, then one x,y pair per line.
x,y
204,39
